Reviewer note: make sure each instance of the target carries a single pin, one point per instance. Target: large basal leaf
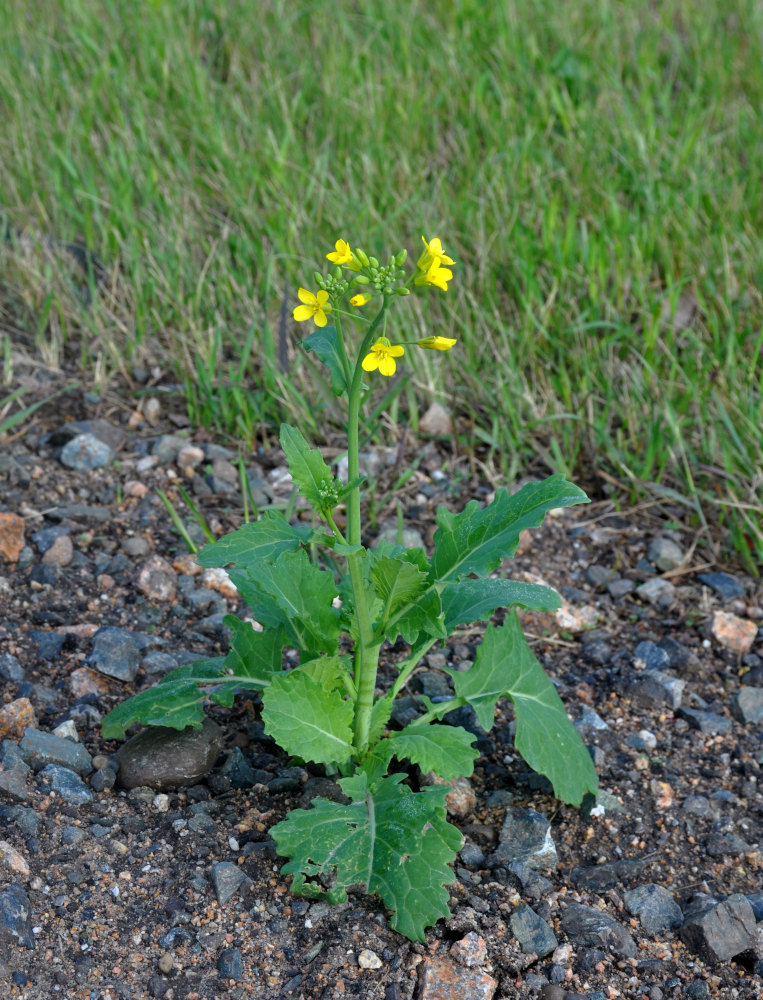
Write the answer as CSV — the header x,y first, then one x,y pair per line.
x,y
308,470
176,702
505,667
253,654
475,600
476,540
447,750
307,720
324,343
392,840
253,543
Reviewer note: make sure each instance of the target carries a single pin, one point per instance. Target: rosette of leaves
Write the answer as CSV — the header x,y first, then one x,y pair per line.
x,y
387,836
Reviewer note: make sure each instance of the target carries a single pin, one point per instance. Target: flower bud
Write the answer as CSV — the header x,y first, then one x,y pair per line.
x,y
360,279
373,262
362,257
401,258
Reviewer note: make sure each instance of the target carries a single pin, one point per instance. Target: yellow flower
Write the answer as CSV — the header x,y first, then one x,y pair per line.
x,y
435,275
312,306
436,343
432,253
343,256
360,300
382,356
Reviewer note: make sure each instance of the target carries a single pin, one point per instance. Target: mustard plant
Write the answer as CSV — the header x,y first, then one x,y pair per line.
x,y
390,833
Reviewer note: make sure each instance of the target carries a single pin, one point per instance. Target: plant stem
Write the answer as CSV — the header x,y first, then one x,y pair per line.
x,y
367,648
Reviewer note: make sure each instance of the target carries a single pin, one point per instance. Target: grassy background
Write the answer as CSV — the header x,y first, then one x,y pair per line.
x,y
594,167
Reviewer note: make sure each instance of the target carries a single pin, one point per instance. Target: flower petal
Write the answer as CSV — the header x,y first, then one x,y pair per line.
x,y
307,297
387,365
322,297
320,317
301,313
370,362
396,351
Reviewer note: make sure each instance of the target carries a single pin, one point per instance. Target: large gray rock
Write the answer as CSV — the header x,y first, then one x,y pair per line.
x,y
535,936
38,749
718,931
654,906
587,925
526,837
159,757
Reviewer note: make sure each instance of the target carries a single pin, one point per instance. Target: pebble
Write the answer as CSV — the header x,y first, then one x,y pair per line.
x,y
658,592
588,925
49,644
705,722
216,578
86,452
10,669
230,964
727,587
15,917
665,554
442,979
719,931
60,553
227,879
654,906
157,579
526,837
40,749
11,536
160,757
747,705
649,656
135,546
618,589
535,936
436,420
736,634
166,449
16,717
606,875
65,783
116,652
11,859
368,959
654,689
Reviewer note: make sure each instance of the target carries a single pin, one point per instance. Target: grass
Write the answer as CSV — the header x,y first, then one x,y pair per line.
x,y
594,167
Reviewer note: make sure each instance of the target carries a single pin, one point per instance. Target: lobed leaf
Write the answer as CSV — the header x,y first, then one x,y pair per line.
x,y
252,543
310,473
476,540
505,666
394,841
447,750
306,719
476,600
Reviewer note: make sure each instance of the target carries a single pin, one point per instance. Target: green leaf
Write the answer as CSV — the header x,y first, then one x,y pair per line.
x,y
476,540
328,671
423,616
306,720
308,470
176,702
324,343
447,750
397,581
505,667
255,542
476,600
254,654
392,840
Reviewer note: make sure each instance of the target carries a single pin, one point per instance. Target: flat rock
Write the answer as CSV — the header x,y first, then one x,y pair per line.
x,y
526,837
727,587
705,722
587,925
10,669
443,979
116,652
85,452
608,874
718,931
654,906
747,705
11,536
657,591
38,749
66,784
535,936
159,757
157,579
15,917
654,688
732,632
227,879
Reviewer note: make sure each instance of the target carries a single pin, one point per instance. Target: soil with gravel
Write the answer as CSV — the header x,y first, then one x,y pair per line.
x,y
174,890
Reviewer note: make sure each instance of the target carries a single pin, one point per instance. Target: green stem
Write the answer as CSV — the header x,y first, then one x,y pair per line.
x,y
367,648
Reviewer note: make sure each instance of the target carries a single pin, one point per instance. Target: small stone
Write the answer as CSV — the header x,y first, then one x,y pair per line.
x,y
39,749
443,979
526,837
190,456
166,961
654,906
618,589
436,420
10,669
747,705
67,730
65,783
606,875
167,447
529,882
216,578
470,951
85,452
227,879
577,619
157,663
658,592
736,634
12,860
705,722
15,717
230,964
472,856
535,936
719,931
60,553
116,652
599,576
665,554
368,959
157,579
649,656
135,546
725,586
134,488
654,689
83,682
160,757
15,917
49,644
11,536
590,926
